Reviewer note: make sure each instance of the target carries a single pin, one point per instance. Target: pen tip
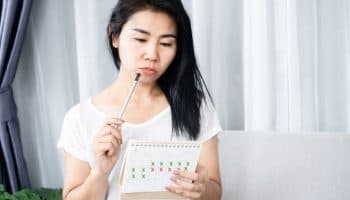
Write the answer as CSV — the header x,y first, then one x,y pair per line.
x,y
137,76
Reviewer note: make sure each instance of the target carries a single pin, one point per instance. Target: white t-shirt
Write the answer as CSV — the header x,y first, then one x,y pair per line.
x,y
84,120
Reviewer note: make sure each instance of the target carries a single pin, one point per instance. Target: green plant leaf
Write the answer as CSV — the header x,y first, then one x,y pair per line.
x,y
45,193
2,189
28,194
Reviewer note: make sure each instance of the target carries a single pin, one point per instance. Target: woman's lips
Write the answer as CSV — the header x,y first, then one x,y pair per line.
x,y
148,71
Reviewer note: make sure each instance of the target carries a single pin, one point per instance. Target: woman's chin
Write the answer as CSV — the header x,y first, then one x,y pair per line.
x,y
147,80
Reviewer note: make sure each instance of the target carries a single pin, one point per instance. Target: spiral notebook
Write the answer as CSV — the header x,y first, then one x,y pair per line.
x,y
148,165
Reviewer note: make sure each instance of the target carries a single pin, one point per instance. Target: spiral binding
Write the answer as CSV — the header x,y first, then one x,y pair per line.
x,y
165,145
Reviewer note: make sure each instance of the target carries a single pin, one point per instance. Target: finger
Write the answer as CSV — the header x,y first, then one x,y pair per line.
x,y
186,186
174,189
201,174
192,176
106,149
111,129
115,146
105,130
108,130
116,133
117,121
101,148
180,191
108,122
111,151
191,195
115,126
108,138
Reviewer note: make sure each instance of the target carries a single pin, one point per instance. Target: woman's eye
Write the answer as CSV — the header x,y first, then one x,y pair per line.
x,y
166,44
140,40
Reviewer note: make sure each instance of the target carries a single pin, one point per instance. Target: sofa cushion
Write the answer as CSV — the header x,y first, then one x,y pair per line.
x,y
284,166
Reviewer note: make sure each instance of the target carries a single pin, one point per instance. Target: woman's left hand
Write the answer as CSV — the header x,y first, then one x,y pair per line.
x,y
190,184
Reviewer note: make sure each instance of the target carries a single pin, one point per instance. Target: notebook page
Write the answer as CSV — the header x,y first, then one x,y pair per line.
x,y
149,165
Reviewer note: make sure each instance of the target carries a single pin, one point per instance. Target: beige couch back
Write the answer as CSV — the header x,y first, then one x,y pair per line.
x,y
285,166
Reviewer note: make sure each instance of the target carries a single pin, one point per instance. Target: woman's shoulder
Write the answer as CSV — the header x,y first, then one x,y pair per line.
x,y
210,124
80,113
75,111
207,107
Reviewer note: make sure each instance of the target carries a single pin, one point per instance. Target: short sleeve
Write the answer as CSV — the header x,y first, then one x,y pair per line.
x,y
210,124
72,139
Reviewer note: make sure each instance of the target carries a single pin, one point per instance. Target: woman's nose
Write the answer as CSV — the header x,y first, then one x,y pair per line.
x,y
152,52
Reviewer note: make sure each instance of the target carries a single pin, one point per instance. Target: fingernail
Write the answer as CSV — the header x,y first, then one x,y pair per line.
x,y
173,178
176,172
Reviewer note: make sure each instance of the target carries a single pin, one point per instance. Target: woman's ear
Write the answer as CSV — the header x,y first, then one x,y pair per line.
x,y
115,40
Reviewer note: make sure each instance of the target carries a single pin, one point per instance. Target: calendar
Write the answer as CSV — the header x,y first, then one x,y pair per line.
x,y
148,166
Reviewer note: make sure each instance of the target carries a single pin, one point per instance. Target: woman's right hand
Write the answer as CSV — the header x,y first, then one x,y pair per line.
x,y
107,145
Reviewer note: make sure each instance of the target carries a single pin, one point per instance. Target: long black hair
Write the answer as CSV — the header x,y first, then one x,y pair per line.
x,y
182,83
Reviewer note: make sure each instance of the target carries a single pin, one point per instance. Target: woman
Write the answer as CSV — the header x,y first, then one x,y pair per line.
x,y
152,38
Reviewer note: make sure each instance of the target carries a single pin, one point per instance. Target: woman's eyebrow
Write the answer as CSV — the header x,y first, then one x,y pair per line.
x,y
141,31
148,33
168,35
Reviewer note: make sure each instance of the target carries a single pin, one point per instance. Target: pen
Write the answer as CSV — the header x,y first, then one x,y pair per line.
x,y
126,102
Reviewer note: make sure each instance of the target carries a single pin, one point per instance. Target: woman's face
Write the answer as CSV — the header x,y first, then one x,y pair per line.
x,y
146,44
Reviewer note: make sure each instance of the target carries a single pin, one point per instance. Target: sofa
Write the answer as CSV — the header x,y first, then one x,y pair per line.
x,y
284,166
